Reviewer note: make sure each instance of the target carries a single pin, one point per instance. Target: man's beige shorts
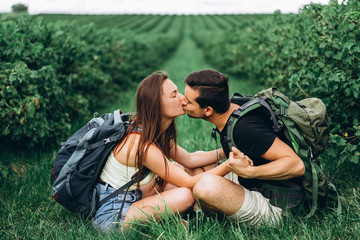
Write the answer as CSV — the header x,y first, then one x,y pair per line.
x,y
257,210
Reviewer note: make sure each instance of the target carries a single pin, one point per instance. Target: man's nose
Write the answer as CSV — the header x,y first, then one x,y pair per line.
x,y
183,100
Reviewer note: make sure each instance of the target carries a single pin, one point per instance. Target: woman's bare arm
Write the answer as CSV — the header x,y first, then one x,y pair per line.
x,y
196,159
175,175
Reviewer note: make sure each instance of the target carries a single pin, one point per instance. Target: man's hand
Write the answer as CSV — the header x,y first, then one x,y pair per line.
x,y
239,163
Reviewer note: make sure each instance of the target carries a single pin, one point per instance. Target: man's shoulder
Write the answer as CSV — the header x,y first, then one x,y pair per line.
x,y
251,120
254,119
253,127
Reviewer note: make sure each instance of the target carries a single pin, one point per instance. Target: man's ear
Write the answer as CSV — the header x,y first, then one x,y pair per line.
x,y
209,111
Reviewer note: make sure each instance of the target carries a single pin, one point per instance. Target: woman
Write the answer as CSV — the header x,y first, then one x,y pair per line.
x,y
158,103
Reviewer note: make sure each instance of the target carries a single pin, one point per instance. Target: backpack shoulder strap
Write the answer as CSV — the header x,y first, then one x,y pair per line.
x,y
252,104
117,116
248,102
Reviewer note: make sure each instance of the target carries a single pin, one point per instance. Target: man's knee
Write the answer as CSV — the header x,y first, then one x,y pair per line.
x,y
207,186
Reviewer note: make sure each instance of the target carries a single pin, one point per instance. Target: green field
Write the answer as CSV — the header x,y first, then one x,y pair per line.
x,y
139,45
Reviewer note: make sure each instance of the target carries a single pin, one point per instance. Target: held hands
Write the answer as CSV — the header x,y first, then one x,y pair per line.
x,y
239,163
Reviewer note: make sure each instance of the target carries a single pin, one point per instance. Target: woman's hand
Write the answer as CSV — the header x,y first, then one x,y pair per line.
x,y
239,163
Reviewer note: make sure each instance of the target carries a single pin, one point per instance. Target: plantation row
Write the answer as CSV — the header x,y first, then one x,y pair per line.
x,y
155,23
314,53
54,73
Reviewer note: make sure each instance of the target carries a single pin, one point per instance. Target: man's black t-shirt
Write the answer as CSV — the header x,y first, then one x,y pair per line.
x,y
253,136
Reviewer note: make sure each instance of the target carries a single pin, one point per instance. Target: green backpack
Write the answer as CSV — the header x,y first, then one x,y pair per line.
x,y
305,125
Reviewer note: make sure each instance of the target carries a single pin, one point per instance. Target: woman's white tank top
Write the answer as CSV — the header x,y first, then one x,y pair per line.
x,y
117,174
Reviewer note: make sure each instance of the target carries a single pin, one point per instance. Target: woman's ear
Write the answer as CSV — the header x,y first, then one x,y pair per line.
x,y
209,111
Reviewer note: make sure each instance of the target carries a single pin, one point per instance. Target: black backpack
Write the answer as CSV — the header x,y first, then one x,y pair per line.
x,y
80,160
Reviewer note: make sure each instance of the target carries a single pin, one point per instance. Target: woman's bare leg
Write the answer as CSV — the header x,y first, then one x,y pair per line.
x,y
174,200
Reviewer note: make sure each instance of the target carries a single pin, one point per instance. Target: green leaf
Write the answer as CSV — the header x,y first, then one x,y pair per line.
x,y
338,56
351,148
322,45
335,78
328,53
31,109
356,94
348,45
12,78
332,152
354,159
6,131
341,142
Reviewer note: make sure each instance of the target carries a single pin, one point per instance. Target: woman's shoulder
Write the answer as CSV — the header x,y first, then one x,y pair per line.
x,y
154,148
125,151
130,139
131,142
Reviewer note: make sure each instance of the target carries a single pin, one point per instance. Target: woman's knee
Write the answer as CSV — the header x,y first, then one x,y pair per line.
x,y
185,196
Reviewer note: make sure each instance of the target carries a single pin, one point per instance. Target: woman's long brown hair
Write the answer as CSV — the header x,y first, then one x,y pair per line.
x,y
149,112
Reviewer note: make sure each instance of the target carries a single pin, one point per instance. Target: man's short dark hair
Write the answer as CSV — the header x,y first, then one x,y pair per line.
x,y
213,89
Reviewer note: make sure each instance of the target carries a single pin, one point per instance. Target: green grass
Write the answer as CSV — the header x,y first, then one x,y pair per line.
x,y
27,210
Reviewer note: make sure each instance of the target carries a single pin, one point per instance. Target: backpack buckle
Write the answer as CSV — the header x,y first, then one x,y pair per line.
x,y
213,133
311,155
280,112
237,112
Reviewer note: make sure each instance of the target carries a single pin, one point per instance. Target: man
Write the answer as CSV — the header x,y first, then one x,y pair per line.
x,y
263,159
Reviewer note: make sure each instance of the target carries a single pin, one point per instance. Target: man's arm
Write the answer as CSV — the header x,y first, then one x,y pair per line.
x,y
284,163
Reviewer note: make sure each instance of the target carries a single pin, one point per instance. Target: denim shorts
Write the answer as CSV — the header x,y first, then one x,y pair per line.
x,y
106,216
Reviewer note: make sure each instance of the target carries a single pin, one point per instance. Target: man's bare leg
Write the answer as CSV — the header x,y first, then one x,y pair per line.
x,y
218,195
